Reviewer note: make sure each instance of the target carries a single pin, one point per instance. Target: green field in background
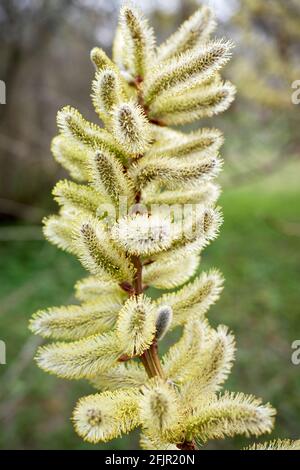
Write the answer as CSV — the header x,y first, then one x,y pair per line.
x,y
258,252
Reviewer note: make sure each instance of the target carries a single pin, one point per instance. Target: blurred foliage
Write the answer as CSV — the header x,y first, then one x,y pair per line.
x,y
265,65
269,37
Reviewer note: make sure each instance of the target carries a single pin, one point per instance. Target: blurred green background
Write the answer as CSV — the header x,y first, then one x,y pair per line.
x,y
45,65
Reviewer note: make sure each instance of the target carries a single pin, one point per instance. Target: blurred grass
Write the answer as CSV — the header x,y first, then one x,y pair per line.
x,y
259,253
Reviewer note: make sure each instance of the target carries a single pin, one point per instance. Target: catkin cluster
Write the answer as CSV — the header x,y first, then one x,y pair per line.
x,y
139,210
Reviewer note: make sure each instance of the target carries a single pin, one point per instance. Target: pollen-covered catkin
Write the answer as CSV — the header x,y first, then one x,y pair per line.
x,y
131,128
136,325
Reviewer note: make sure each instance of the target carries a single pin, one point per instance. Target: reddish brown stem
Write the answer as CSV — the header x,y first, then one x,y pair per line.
x,y
138,284
157,122
149,358
187,445
127,287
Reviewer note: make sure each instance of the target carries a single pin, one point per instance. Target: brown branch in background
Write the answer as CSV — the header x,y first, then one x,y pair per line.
x,y
21,211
